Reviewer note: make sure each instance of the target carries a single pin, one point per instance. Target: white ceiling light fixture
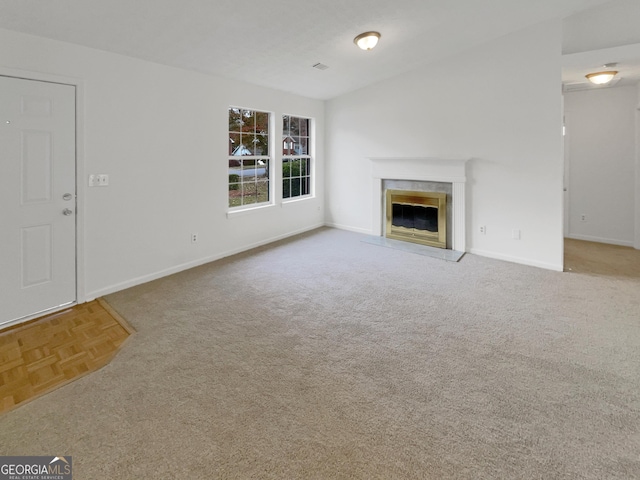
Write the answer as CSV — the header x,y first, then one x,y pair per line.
x,y
602,78
367,40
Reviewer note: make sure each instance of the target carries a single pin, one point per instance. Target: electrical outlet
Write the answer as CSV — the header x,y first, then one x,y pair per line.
x,y
583,217
515,234
194,238
99,180
483,230
102,180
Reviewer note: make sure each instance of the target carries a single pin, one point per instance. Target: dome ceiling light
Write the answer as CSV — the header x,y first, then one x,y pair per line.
x,y
604,77
367,40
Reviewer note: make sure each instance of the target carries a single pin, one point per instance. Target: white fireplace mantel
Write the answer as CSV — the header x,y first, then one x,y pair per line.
x,y
426,169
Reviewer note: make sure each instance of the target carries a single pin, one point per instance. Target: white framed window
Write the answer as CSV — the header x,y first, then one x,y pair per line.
x,y
249,157
296,156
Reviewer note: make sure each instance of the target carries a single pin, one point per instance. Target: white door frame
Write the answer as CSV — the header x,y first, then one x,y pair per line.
x,y
637,205
80,171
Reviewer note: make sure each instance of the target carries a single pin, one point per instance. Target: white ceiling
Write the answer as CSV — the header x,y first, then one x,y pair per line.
x,y
275,43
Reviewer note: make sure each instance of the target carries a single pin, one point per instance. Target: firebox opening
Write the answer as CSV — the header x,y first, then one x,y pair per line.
x,y
414,216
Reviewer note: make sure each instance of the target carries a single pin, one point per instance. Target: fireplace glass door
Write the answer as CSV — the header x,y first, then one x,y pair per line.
x,y
418,217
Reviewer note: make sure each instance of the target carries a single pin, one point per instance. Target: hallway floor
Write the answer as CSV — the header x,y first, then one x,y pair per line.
x,y
56,349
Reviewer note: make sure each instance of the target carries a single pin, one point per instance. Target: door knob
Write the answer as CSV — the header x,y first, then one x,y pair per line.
x,y
67,211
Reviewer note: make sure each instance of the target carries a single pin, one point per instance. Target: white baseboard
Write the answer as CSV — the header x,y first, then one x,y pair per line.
x,y
610,241
348,228
186,266
520,260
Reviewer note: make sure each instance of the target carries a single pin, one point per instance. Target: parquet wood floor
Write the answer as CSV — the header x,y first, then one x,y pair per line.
x,y
56,349
603,259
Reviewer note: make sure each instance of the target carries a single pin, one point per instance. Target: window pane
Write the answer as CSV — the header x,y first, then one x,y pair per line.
x,y
262,122
295,167
241,148
249,194
287,146
235,192
235,121
303,146
235,197
285,125
294,145
303,167
304,186
304,127
295,187
252,143
294,127
263,168
234,143
262,145
286,188
262,190
286,168
249,121
246,170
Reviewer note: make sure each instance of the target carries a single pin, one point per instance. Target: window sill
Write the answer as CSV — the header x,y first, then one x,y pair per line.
x,y
291,201
248,211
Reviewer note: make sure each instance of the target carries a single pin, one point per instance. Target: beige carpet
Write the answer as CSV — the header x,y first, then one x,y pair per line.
x,y
326,357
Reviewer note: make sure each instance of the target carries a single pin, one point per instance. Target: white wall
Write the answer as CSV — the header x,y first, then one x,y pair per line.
x,y
160,133
499,104
601,151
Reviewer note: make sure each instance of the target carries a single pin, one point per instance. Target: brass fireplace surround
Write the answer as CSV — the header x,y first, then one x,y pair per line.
x,y
435,200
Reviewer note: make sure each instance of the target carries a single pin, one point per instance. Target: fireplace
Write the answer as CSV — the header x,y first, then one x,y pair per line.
x,y
418,217
426,174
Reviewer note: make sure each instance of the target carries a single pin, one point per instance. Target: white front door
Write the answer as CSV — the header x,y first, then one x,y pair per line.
x,y
37,197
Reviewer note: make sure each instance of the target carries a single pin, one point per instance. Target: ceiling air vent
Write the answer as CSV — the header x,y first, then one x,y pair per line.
x,y
320,66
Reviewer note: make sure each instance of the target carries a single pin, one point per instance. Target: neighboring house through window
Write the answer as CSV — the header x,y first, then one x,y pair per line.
x,y
249,157
296,158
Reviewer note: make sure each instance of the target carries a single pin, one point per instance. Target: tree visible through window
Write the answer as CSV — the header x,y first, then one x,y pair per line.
x,y
249,158
296,160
